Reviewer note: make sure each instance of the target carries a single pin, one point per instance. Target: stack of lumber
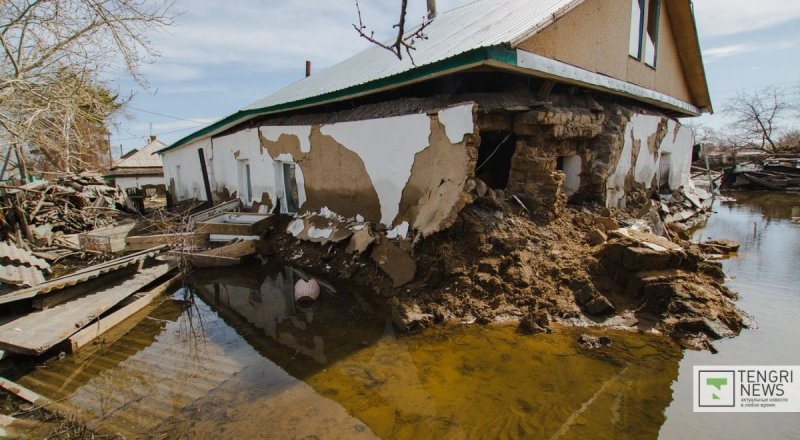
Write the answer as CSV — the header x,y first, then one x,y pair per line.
x,y
73,310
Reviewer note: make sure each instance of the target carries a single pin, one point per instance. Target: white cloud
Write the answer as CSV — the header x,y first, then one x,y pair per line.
x,y
728,51
728,17
740,49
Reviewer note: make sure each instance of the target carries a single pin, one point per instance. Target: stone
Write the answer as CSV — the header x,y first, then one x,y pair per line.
x,y
480,188
596,237
593,342
395,262
598,306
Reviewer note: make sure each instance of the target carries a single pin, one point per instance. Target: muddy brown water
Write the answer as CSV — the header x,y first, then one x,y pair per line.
x,y
238,359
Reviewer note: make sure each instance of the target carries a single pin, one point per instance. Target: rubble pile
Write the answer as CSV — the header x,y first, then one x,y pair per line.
x,y
40,223
590,265
70,204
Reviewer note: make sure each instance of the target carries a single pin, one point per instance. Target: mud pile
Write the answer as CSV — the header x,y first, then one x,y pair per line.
x,y
498,262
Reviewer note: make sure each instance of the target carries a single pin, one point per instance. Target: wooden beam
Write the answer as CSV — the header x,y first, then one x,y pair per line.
x,y
545,89
195,240
103,325
23,393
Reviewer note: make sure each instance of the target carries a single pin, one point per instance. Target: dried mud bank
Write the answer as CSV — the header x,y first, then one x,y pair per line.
x,y
584,267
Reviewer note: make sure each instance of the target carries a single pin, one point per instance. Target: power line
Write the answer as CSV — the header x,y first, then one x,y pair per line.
x,y
165,116
157,134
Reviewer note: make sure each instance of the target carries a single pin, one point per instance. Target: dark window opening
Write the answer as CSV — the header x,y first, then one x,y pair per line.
x,y
651,37
494,158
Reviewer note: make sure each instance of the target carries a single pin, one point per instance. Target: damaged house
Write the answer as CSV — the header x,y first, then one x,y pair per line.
x,y
504,91
536,103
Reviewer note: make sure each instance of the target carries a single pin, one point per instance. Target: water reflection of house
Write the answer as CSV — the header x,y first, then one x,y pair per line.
x,y
143,170
537,97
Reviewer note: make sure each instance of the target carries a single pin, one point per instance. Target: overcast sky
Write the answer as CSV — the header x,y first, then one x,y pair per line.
x,y
220,56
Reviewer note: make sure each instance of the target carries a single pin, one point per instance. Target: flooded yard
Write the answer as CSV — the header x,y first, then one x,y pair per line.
x,y
234,357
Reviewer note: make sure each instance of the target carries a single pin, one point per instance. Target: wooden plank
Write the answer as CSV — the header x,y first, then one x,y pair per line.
x,y
141,242
39,331
23,393
203,260
103,325
236,249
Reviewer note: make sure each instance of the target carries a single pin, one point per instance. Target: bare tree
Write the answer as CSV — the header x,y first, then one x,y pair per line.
x,y
53,56
405,40
757,118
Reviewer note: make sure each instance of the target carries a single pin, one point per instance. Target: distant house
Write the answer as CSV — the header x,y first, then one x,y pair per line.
x,y
142,169
535,97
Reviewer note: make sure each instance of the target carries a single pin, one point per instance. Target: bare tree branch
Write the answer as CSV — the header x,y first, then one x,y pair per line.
x,y
54,54
403,42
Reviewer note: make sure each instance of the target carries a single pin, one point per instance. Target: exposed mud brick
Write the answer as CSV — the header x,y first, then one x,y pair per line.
x,y
637,258
607,223
536,178
596,237
397,263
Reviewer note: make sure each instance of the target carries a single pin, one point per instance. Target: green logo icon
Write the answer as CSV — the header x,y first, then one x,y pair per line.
x,y
716,382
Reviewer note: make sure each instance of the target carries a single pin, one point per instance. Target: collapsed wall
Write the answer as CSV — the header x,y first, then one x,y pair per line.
x,y
496,209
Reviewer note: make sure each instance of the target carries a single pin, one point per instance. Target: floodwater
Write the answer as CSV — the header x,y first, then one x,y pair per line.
x,y
766,274
237,358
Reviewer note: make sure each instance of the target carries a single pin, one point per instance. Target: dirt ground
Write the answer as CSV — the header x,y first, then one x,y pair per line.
x,y
500,262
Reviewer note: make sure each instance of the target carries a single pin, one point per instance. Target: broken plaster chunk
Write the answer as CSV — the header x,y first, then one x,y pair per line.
x,y
361,241
458,122
296,227
316,233
360,218
395,262
399,231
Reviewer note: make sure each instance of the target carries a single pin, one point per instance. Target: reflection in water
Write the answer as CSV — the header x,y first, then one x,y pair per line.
x,y
235,357
766,276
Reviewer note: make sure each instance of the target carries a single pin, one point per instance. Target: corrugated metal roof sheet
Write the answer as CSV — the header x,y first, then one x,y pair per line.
x,y
80,276
20,275
11,253
483,23
458,34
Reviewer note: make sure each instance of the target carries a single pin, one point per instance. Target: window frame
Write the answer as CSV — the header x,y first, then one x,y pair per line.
x,y
644,21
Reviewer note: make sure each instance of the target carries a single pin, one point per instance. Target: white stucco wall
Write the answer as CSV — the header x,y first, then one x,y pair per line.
x,y
639,133
387,146
190,182
126,182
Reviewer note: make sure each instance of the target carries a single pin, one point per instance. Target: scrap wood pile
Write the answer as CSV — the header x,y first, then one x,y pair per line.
x,y
70,204
40,223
